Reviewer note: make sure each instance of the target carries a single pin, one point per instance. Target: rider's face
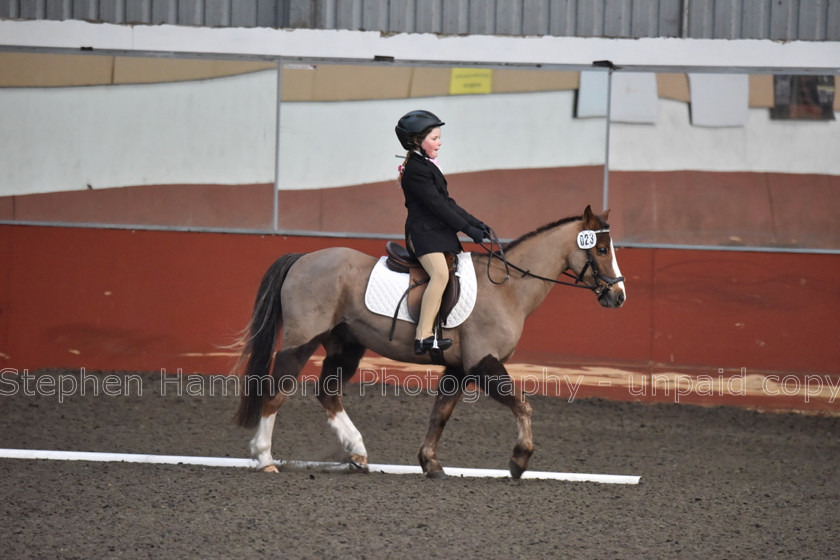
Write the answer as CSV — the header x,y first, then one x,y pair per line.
x,y
431,143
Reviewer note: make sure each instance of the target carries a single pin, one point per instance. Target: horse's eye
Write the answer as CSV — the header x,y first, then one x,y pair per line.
x,y
602,250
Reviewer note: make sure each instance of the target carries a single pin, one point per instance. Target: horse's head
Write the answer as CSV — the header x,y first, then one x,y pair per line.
x,y
594,262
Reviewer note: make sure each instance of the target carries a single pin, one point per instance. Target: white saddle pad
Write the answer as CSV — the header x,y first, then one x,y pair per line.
x,y
386,287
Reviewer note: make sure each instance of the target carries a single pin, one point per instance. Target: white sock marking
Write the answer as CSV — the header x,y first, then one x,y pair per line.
x,y
348,435
261,442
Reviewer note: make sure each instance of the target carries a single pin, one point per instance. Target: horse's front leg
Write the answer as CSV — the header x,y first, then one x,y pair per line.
x,y
449,392
495,380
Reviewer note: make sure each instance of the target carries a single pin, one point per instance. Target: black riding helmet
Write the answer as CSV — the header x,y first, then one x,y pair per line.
x,y
412,124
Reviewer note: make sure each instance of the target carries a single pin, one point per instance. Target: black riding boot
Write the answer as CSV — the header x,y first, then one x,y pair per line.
x,y
423,346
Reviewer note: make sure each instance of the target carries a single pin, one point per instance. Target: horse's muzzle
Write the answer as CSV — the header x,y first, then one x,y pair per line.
x,y
613,298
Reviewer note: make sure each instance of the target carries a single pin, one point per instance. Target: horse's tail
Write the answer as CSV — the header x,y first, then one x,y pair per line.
x,y
259,339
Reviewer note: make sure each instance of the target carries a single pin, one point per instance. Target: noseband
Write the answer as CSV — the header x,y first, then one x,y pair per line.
x,y
603,283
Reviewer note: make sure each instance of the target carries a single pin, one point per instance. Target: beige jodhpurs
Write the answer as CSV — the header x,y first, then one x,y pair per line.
x,y
435,266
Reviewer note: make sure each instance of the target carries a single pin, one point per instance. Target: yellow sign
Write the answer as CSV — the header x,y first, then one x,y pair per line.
x,y
470,80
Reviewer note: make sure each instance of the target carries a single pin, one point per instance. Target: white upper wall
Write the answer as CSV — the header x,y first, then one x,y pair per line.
x,y
105,136
763,145
347,143
223,131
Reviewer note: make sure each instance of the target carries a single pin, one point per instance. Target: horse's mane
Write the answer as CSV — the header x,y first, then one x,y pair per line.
x,y
521,239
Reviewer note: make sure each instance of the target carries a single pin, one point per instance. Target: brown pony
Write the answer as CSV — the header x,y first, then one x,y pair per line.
x,y
317,299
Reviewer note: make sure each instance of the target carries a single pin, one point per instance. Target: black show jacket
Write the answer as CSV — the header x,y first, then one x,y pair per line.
x,y
434,218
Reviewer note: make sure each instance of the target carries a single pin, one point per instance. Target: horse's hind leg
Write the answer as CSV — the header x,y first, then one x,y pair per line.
x,y
340,365
283,380
495,380
449,392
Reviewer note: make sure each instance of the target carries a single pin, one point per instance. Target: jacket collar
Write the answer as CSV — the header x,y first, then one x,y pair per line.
x,y
424,158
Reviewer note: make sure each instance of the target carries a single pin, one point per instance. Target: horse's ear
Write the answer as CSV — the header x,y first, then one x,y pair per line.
x,y
606,215
587,214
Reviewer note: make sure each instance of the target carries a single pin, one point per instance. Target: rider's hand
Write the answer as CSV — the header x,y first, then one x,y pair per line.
x,y
474,233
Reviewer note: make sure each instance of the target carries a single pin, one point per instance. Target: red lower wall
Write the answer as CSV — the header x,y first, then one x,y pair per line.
x,y
663,207
151,300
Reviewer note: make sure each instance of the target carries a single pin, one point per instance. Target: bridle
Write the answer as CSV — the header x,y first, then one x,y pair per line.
x,y
603,283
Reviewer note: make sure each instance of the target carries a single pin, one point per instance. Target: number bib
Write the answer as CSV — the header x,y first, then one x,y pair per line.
x,y
586,239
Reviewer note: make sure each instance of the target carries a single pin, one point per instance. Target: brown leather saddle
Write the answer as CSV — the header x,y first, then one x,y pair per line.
x,y
399,259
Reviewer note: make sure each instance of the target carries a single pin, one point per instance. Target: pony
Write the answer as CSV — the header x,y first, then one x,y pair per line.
x,y
317,299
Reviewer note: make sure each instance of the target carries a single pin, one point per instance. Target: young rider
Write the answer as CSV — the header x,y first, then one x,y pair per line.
x,y
434,219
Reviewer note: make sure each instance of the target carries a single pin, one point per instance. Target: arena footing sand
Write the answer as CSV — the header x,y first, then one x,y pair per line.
x,y
716,481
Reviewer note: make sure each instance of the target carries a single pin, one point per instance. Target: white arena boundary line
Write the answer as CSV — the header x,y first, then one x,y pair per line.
x,y
299,465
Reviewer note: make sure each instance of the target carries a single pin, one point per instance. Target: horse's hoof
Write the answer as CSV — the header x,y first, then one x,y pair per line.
x,y
437,475
358,463
270,468
515,470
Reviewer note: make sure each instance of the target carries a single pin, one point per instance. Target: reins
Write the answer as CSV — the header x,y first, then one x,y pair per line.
x,y
599,288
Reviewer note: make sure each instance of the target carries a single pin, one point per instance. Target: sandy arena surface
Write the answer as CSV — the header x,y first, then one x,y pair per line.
x,y
716,482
